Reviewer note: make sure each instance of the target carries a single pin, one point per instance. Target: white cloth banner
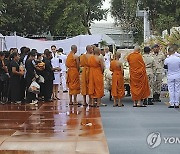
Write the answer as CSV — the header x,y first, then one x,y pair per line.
x,y
81,41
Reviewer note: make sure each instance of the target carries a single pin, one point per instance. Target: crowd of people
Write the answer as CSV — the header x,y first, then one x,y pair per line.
x,y
18,71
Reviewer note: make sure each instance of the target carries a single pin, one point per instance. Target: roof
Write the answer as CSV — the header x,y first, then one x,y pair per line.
x,y
105,28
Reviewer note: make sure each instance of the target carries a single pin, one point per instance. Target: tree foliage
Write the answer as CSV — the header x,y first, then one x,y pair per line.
x,y
60,17
164,14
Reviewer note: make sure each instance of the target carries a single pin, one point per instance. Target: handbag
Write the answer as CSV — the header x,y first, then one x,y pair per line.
x,y
40,79
4,77
34,88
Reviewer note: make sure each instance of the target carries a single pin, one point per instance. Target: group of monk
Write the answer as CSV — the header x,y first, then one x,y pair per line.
x,y
91,83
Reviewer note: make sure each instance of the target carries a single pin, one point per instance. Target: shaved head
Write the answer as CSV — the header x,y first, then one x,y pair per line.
x,y
89,49
137,48
74,48
117,55
171,50
97,51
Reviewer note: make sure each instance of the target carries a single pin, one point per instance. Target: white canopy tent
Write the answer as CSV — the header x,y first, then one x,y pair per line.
x,y
81,41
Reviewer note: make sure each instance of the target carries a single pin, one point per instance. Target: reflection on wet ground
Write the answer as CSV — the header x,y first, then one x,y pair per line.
x,y
51,128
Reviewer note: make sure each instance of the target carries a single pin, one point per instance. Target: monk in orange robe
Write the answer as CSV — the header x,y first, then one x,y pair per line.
x,y
73,81
117,89
96,83
138,77
85,73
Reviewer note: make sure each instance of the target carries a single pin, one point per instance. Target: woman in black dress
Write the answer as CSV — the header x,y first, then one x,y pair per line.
x,y
15,78
30,75
3,77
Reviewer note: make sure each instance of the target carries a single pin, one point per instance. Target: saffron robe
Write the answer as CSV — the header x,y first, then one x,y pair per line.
x,y
73,81
138,77
96,83
84,75
117,90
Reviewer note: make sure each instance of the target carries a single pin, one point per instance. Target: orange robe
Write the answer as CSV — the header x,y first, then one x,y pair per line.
x,y
96,83
84,75
73,81
138,77
117,89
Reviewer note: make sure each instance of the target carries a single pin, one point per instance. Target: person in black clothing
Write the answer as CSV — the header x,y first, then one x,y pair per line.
x,y
15,78
48,76
30,76
23,57
40,66
3,77
6,83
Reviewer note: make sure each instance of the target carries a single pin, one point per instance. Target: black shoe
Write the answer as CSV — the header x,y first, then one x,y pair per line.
x,y
155,97
176,107
150,101
171,107
48,100
145,102
65,91
158,98
2,103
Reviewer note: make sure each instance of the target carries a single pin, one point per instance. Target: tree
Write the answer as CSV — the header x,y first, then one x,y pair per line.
x,y
60,17
75,16
124,12
22,16
164,14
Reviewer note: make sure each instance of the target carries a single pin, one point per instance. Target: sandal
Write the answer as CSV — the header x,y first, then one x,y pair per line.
x,y
141,106
121,105
57,98
135,105
92,105
70,103
115,105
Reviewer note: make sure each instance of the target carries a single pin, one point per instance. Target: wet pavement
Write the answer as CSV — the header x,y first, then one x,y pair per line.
x,y
51,128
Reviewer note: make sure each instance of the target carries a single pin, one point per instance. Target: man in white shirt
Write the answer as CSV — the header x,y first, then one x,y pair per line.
x,y
107,57
172,64
57,68
63,57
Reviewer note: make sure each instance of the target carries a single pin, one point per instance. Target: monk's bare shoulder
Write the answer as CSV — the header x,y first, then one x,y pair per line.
x,y
75,57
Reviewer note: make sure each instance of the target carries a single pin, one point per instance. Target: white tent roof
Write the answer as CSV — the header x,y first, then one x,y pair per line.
x,y
1,36
81,41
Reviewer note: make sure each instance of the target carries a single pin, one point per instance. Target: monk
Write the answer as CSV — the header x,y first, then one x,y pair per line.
x,y
85,74
138,77
117,89
73,81
96,85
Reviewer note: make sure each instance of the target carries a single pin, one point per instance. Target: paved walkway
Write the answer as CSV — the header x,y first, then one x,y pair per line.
x,y
55,128
51,128
127,128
